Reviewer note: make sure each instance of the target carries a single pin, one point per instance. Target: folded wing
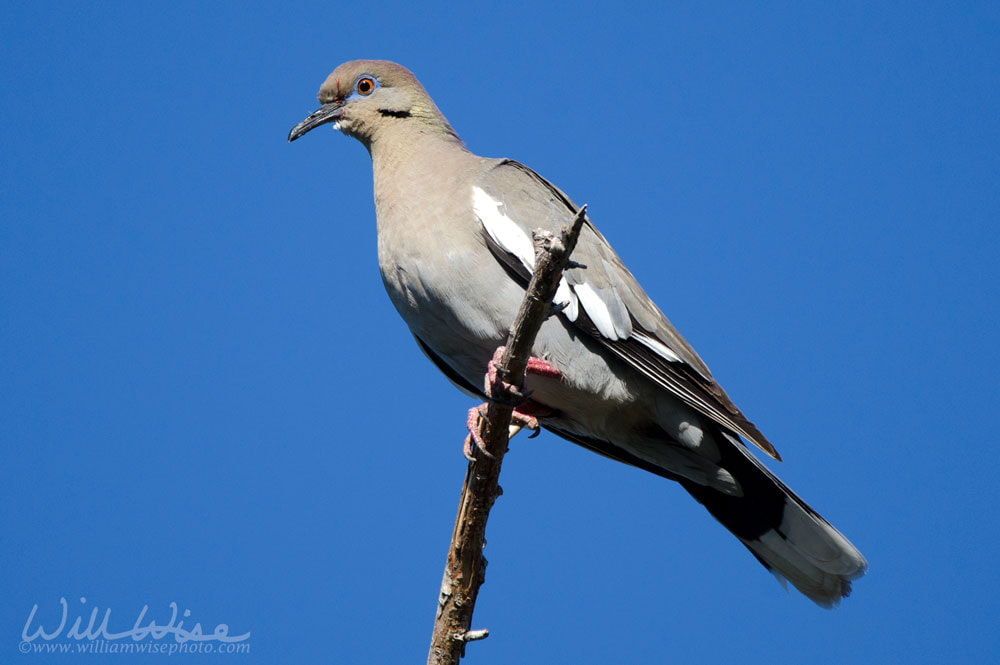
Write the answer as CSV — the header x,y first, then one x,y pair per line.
x,y
602,298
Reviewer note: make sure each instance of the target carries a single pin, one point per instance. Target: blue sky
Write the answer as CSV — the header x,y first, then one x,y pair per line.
x,y
207,399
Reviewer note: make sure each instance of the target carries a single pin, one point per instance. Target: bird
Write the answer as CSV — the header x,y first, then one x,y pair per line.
x,y
611,373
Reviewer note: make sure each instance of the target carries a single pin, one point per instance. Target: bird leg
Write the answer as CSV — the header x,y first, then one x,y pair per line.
x,y
475,436
526,411
499,390
524,416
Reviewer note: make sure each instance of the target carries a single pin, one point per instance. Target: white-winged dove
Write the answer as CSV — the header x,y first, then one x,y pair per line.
x,y
455,252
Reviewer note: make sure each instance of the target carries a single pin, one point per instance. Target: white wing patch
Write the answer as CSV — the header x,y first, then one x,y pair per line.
x,y
502,229
508,235
564,294
607,313
656,346
604,307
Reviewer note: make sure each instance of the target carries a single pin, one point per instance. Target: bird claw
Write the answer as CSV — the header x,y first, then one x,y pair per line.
x,y
526,421
498,390
521,419
475,437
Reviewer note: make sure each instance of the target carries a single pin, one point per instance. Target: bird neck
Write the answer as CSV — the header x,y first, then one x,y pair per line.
x,y
405,135
398,151
411,173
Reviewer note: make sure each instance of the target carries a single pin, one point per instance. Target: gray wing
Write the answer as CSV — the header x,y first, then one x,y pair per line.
x,y
602,298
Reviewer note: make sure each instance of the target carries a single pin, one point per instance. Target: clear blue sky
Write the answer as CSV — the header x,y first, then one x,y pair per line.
x,y
206,397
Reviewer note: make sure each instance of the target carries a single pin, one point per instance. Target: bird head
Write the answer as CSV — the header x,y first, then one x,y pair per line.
x,y
365,98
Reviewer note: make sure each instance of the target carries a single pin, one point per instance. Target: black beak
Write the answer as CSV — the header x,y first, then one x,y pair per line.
x,y
331,112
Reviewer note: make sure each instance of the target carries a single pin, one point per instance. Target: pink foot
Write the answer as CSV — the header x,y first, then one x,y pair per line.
x,y
494,386
526,412
472,424
524,415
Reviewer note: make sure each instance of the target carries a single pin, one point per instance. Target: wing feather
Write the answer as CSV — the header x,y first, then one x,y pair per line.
x,y
619,314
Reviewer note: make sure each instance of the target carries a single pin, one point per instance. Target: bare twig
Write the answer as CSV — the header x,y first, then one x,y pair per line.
x,y
465,568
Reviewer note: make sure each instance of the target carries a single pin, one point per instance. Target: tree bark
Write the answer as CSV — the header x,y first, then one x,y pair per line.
x,y
465,568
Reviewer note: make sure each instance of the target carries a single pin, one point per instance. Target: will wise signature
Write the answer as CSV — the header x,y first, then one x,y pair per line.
x,y
139,630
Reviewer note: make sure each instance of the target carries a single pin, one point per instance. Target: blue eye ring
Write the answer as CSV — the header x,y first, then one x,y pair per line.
x,y
365,85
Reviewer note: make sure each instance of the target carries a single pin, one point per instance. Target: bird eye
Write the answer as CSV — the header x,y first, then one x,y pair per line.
x,y
365,85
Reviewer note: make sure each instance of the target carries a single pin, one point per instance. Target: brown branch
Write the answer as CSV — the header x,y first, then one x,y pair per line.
x,y
465,569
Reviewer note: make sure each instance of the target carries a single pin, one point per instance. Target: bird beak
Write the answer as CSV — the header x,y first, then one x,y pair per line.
x,y
331,112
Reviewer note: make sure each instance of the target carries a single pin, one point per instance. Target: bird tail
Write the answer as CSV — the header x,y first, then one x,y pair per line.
x,y
791,539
